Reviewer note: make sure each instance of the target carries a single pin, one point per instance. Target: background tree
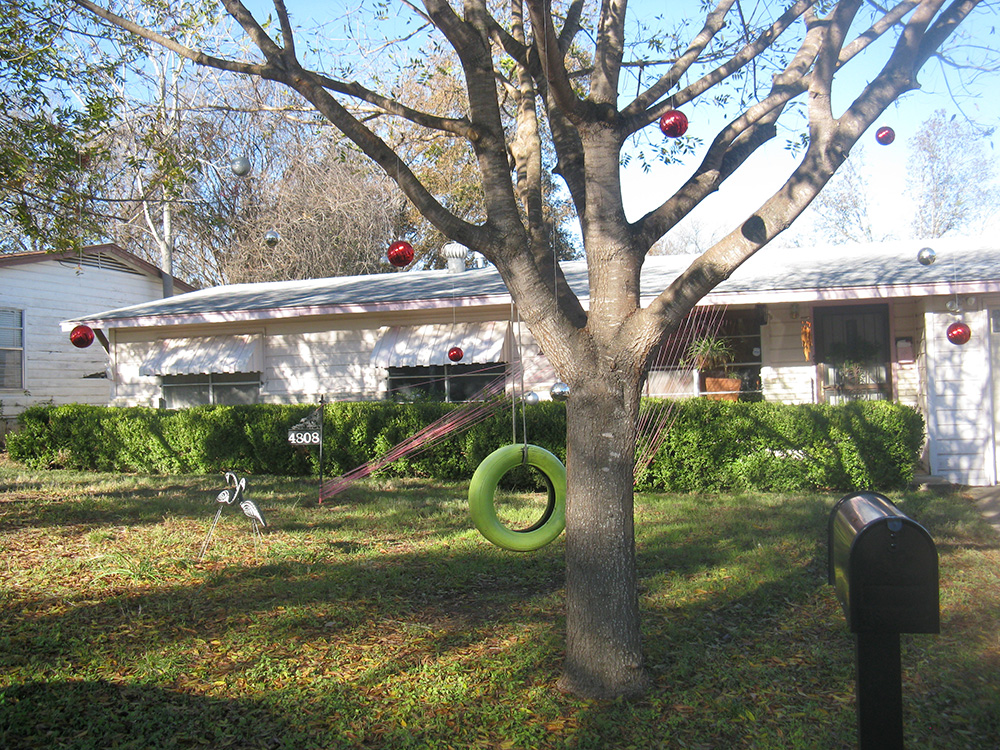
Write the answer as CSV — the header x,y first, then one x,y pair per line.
x,y
951,176
950,181
691,237
159,158
53,110
843,211
335,215
446,165
525,51
173,199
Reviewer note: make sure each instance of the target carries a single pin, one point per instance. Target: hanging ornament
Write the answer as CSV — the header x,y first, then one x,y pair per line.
x,y
885,135
673,123
959,333
271,237
559,392
400,253
240,166
926,256
82,336
531,398
455,354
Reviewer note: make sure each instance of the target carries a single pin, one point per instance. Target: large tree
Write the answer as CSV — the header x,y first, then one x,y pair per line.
x,y
563,69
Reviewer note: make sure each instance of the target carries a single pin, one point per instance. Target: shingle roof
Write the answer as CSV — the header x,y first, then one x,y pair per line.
x,y
774,274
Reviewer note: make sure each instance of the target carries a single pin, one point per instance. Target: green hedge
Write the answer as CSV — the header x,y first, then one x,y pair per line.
x,y
720,445
708,445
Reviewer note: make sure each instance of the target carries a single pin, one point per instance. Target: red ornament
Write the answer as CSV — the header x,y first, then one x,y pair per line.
x,y
82,336
885,135
400,253
455,354
673,123
959,333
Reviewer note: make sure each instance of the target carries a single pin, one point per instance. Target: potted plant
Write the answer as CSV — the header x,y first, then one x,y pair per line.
x,y
711,355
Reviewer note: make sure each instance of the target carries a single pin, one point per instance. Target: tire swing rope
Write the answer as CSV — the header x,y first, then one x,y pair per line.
x,y
483,487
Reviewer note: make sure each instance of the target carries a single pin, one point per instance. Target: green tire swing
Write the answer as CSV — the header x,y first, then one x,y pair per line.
x,y
483,487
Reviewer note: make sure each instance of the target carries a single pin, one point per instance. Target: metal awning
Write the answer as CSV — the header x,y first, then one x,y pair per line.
x,y
204,354
415,346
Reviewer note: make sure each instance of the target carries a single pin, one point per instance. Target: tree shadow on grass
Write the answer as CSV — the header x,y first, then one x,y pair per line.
x,y
84,714
472,637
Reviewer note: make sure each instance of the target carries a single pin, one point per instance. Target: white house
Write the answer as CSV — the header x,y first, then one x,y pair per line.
x,y
808,325
38,363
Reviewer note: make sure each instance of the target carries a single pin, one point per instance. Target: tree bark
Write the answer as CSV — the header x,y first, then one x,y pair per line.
x,y
603,644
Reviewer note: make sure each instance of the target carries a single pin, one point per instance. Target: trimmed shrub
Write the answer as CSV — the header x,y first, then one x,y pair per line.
x,y
708,446
721,445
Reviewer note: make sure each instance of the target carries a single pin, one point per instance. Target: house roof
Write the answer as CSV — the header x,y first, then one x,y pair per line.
x,y
798,274
107,256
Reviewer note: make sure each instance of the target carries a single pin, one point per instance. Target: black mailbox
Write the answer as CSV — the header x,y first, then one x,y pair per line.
x,y
884,566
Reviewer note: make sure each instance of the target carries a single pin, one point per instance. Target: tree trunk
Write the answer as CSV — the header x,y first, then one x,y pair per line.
x,y
603,645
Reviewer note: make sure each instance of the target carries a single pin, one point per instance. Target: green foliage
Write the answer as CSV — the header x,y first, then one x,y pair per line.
x,y
708,353
57,103
709,446
254,439
713,446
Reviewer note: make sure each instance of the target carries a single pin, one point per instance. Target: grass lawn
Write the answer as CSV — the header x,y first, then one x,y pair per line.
x,y
382,619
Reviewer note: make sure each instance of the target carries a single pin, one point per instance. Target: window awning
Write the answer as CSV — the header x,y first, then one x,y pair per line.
x,y
416,346
205,354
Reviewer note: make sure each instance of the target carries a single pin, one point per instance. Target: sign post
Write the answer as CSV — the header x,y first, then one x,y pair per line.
x,y
308,431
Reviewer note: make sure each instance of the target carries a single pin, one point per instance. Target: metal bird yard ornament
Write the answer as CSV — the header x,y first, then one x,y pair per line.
x,y
235,494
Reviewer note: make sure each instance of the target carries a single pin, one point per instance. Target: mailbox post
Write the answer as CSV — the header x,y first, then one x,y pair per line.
x,y
884,567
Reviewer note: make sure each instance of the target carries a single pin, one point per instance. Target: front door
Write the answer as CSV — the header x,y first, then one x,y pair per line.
x,y
852,353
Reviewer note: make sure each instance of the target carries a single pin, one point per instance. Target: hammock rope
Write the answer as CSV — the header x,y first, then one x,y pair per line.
x,y
655,420
482,406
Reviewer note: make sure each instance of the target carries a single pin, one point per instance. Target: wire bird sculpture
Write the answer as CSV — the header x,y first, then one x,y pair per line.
x,y
234,492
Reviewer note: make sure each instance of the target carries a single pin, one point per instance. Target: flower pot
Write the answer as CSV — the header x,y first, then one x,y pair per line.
x,y
721,388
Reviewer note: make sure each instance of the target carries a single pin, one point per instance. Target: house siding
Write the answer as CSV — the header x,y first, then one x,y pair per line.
x,y
308,359
786,375
906,322
960,400
302,365
50,291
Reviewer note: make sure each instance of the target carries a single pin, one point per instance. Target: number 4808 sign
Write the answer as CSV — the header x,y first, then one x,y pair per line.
x,y
303,437
308,431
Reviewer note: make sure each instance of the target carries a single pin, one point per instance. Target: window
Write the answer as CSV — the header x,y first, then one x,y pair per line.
x,y
11,348
451,383
183,391
670,377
